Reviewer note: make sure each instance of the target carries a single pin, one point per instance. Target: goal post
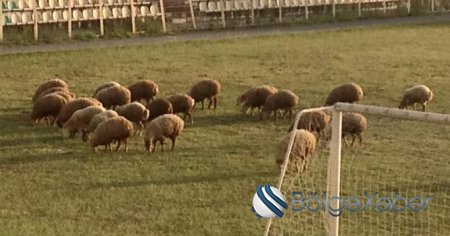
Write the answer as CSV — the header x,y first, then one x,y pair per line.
x,y
333,178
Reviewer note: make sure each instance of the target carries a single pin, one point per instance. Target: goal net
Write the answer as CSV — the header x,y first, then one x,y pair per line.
x,y
396,183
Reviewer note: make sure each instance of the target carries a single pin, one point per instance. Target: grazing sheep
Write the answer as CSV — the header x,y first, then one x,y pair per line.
x,y
48,85
314,121
168,125
418,94
283,99
49,105
182,103
106,85
348,93
66,95
134,112
205,89
302,150
114,129
159,107
80,119
60,90
113,96
96,120
353,124
144,89
73,106
255,97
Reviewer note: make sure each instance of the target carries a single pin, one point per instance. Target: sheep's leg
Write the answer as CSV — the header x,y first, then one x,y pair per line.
x,y
173,138
423,106
275,114
215,102
110,148
345,141
290,114
360,139
210,102
203,106
94,149
190,118
118,145
353,139
126,144
147,145
162,144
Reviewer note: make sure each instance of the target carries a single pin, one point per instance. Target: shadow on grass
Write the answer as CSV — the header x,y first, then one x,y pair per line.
x,y
41,158
181,180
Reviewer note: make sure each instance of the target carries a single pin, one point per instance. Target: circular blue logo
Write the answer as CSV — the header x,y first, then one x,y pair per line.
x,y
268,202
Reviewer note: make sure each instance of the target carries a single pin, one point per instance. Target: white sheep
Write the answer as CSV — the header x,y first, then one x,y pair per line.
x,y
167,125
418,94
80,120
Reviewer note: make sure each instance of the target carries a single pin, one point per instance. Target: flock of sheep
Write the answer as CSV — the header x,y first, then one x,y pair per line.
x,y
114,113
312,125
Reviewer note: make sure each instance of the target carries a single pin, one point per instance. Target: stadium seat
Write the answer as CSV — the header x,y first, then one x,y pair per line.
x,y
203,6
15,19
116,12
47,16
238,5
26,17
57,15
229,5
247,5
154,10
212,6
144,11
125,11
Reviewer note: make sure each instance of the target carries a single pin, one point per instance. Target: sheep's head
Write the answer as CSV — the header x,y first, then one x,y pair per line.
x,y
403,103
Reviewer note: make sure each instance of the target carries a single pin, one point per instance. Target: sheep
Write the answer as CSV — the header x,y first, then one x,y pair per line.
x,y
72,106
80,119
255,97
418,94
302,150
47,85
49,105
159,107
96,120
283,99
167,125
134,112
113,96
314,121
60,90
114,129
106,85
348,93
182,103
144,89
353,124
205,89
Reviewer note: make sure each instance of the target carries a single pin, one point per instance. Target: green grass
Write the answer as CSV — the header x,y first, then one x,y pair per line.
x,y
50,185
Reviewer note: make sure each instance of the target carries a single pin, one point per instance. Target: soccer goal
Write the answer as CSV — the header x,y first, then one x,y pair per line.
x,y
396,183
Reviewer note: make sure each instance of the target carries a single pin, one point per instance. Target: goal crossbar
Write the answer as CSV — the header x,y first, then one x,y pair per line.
x,y
334,162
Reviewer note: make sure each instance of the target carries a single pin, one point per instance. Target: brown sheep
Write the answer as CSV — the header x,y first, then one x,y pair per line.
x,y
97,119
48,85
353,124
205,89
314,121
144,89
49,105
134,112
114,129
159,107
80,119
60,90
284,99
348,93
418,94
114,96
255,97
73,106
302,150
182,103
168,125
106,85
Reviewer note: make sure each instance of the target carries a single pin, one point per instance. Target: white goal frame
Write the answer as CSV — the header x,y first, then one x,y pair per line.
x,y
334,161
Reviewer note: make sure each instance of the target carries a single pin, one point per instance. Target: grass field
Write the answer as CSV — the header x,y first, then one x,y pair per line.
x,y
50,185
